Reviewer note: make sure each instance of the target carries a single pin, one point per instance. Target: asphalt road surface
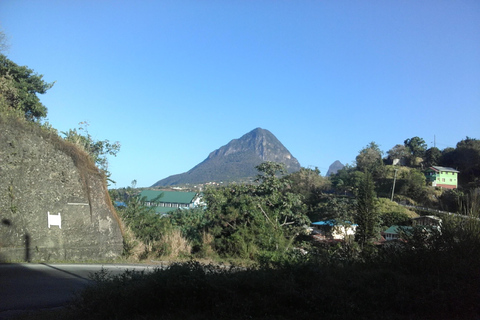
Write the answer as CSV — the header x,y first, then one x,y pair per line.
x,y
25,287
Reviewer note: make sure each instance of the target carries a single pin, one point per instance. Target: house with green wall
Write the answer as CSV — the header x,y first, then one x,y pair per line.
x,y
167,201
444,177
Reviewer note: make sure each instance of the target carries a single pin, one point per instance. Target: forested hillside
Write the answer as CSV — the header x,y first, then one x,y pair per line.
x,y
411,160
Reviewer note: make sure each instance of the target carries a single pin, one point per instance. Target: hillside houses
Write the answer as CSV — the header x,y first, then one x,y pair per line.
x,y
426,223
444,177
331,230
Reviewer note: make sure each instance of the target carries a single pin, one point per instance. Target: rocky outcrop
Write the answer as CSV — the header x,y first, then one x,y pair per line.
x,y
54,204
237,160
334,167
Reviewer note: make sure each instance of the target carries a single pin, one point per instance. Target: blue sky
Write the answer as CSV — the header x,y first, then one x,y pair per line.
x,y
174,80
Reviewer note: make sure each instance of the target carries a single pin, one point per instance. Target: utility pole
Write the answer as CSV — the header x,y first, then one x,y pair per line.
x,y
393,189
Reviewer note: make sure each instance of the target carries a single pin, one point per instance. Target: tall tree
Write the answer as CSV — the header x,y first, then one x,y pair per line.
x,y
467,159
414,183
280,206
27,85
433,157
367,216
448,157
341,209
417,147
370,159
248,220
346,179
310,184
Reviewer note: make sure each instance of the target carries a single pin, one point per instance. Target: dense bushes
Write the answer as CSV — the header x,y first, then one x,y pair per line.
x,y
437,279
251,220
151,233
430,274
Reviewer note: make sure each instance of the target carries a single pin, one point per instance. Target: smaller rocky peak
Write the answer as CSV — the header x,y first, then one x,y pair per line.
x,y
334,167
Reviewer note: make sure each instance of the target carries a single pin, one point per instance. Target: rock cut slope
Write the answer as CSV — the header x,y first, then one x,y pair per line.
x,y
54,204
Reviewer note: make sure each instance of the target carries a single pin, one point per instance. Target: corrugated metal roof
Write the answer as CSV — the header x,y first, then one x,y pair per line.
x,y
331,223
397,229
437,168
169,196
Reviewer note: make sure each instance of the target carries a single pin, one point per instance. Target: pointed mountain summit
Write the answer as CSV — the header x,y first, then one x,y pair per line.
x,y
237,160
334,167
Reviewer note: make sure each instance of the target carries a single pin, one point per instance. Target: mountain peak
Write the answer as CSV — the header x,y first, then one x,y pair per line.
x,y
334,167
237,160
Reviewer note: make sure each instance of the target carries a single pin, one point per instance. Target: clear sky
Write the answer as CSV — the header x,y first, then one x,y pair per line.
x,y
174,80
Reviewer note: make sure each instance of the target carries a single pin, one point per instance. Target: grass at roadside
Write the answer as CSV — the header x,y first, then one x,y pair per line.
x,y
296,291
430,276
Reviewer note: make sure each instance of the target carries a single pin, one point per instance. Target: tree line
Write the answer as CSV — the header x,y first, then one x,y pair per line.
x,y
267,220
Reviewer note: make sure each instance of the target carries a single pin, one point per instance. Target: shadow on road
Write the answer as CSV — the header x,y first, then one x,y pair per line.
x,y
27,287
67,272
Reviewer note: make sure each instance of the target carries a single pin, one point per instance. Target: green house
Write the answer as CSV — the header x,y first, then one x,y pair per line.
x,y
444,177
166,201
395,232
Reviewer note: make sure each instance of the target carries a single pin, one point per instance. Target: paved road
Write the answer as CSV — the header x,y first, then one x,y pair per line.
x,y
39,286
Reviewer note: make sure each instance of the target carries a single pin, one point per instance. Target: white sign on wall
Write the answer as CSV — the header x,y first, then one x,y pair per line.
x,y
54,220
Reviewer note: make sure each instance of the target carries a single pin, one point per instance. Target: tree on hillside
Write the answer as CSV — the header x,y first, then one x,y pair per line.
x,y
448,157
19,89
467,160
370,159
417,147
310,184
346,180
399,152
275,196
366,216
268,176
341,209
307,180
248,220
391,213
433,157
412,183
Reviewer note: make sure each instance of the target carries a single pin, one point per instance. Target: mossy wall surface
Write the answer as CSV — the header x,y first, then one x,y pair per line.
x,y
41,174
